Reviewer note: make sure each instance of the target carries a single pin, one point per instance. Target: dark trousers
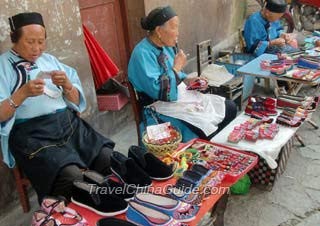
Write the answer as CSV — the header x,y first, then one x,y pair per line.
x,y
230,114
63,182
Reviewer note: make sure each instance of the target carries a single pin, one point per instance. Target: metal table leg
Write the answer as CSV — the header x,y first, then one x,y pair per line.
x,y
299,139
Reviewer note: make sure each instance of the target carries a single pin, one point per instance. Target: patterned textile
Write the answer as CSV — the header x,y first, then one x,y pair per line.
x,y
261,174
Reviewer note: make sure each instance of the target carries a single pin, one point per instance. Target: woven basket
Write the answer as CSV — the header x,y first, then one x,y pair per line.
x,y
161,150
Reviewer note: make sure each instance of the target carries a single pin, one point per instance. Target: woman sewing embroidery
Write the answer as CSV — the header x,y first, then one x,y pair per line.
x,y
155,70
39,101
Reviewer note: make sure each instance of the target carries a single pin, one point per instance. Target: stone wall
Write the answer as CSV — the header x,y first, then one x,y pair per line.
x,y
65,41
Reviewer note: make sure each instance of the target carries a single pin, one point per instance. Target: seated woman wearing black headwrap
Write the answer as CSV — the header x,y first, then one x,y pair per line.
x,y
155,70
264,33
39,101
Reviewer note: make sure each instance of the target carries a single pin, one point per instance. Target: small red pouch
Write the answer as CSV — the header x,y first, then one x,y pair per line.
x,y
198,84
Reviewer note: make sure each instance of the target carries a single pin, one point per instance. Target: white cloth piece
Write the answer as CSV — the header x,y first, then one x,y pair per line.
x,y
216,74
204,111
267,149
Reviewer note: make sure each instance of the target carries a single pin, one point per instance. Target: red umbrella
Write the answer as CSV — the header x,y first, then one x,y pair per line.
x,y
102,66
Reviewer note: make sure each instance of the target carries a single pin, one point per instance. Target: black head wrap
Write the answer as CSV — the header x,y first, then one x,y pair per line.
x,y
157,17
276,6
24,19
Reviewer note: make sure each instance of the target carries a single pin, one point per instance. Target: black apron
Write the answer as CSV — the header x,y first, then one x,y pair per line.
x,y
43,145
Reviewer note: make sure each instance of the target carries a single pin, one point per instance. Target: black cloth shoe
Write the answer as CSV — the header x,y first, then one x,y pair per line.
x,y
108,185
89,197
113,222
153,166
128,171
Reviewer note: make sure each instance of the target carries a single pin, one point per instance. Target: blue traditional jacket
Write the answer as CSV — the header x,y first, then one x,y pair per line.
x,y
14,72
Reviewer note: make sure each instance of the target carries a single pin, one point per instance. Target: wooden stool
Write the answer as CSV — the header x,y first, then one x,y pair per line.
x,y
22,184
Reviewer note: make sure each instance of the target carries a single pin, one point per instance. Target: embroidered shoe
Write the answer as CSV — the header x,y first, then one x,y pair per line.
x,y
200,169
142,215
184,191
56,207
128,171
288,122
87,196
284,101
41,218
192,176
154,167
180,211
109,186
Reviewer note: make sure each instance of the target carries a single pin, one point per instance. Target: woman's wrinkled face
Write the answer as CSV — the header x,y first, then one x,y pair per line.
x,y
169,32
271,16
32,43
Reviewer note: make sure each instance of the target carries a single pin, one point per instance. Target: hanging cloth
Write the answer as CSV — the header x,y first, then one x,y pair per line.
x,y
102,66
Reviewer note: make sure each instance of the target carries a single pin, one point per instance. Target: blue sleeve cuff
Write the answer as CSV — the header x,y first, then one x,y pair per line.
x,y
261,48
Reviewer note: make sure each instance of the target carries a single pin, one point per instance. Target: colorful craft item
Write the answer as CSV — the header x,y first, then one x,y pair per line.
x,y
236,135
185,191
180,211
229,162
288,121
291,58
182,165
268,131
198,84
248,132
306,74
55,212
251,135
309,104
258,107
142,215
276,67
309,62
298,112
221,162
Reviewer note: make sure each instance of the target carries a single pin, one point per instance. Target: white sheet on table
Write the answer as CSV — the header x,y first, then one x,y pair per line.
x,y
267,149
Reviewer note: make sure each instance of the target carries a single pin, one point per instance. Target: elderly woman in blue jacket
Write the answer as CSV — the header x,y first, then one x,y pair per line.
x,y
39,126
156,72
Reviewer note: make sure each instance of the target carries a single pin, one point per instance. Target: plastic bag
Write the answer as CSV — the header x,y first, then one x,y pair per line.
x,y
242,187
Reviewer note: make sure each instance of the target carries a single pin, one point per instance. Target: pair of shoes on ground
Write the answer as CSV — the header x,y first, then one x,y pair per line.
x,y
54,212
139,167
153,209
